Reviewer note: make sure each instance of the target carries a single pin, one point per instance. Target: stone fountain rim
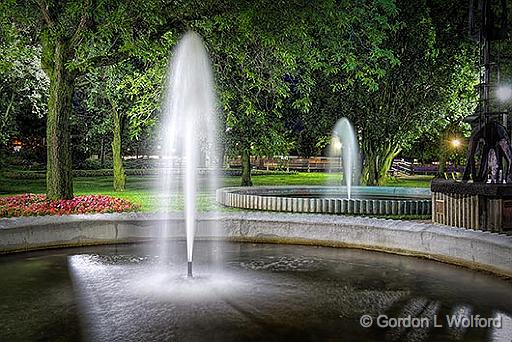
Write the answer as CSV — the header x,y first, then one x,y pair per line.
x,y
408,201
480,250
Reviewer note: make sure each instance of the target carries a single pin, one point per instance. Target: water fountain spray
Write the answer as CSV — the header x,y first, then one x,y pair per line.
x,y
344,146
189,132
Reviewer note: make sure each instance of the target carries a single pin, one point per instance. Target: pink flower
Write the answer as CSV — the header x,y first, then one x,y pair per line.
x,y
31,204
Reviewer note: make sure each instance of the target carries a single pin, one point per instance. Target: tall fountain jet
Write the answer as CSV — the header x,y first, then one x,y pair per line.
x,y
188,136
345,149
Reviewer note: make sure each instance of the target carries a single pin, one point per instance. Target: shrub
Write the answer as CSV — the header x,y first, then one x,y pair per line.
x,y
38,205
93,164
130,172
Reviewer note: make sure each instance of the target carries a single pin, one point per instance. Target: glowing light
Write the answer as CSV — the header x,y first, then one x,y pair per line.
x,y
336,144
504,93
456,143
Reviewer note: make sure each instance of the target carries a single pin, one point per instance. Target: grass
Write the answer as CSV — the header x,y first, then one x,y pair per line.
x,y
411,181
139,188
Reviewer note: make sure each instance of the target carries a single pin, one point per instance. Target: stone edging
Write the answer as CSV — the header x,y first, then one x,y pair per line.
x,y
475,249
260,198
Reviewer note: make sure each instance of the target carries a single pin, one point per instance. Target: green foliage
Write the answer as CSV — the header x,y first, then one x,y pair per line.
x,y
76,37
285,70
427,83
269,58
143,91
457,86
23,85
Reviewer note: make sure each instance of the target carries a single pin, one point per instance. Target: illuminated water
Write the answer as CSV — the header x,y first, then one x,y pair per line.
x,y
188,135
344,147
263,293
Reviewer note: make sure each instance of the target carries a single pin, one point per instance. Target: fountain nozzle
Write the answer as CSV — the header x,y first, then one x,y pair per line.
x,y
189,270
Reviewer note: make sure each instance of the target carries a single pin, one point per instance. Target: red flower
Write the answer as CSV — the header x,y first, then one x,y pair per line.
x,y
32,205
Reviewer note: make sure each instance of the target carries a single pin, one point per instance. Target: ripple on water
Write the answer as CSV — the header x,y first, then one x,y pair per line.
x,y
282,264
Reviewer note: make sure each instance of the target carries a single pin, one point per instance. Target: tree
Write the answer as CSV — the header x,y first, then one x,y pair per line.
x,y
267,67
76,37
108,105
267,56
23,86
413,93
459,100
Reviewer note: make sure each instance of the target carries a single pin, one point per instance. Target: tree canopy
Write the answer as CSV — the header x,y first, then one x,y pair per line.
x,y
285,71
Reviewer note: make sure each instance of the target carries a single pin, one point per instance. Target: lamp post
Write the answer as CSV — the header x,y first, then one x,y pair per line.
x,y
455,143
504,92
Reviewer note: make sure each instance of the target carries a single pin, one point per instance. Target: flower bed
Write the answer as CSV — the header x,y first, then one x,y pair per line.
x,y
38,205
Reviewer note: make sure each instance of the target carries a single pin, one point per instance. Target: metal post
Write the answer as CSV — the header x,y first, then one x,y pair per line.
x,y
189,269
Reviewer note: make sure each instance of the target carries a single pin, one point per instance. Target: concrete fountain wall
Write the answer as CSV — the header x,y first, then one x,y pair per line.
x,y
409,201
475,249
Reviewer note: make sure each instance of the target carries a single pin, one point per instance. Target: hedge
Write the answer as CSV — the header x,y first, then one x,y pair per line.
x,y
131,172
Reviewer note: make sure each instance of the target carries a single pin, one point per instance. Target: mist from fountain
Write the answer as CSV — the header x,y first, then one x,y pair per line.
x,y
188,137
344,151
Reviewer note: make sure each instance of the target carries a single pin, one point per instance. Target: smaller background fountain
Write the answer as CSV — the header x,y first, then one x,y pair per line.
x,y
344,154
334,198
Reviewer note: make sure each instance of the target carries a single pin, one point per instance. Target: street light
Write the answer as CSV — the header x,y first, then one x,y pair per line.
x,y
504,92
456,143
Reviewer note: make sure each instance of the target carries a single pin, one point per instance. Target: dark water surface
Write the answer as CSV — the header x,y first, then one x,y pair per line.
x,y
242,292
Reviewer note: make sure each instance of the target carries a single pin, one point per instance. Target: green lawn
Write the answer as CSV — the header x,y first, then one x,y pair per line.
x,y
138,188
411,181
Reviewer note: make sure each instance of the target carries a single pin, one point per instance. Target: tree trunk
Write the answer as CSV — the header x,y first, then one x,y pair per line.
x,y
102,153
59,182
387,162
442,165
368,174
119,174
246,167
377,163
444,150
4,133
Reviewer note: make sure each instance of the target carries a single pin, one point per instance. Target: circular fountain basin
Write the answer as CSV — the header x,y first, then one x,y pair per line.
x,y
241,292
330,200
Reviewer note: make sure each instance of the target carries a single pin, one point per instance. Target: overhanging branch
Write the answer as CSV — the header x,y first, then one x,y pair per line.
x,y
85,20
109,59
102,61
46,13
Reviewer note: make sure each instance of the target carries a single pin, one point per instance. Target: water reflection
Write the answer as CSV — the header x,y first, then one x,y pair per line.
x,y
263,292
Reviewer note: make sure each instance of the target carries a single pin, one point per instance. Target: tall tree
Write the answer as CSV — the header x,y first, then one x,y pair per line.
x,y
267,56
107,103
413,93
77,36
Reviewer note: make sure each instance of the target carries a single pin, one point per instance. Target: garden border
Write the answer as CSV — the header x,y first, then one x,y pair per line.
x,y
474,249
